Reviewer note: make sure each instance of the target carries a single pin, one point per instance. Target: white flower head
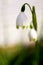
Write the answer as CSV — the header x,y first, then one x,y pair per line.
x,y
33,35
22,20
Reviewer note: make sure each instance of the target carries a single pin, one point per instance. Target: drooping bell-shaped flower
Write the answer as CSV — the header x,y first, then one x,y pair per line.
x,y
33,35
22,21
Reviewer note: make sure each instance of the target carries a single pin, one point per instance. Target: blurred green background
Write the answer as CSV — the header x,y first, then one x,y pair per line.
x,y
22,55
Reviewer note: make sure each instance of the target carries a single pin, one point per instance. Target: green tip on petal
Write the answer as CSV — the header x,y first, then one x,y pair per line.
x,y
23,27
34,40
17,27
31,26
27,27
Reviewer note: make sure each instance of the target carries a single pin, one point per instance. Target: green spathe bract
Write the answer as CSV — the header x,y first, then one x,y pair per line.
x,y
34,20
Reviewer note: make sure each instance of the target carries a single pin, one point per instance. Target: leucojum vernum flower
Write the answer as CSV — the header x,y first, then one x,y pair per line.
x,y
22,21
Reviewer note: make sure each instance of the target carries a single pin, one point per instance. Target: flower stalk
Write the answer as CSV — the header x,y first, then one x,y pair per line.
x,y
34,20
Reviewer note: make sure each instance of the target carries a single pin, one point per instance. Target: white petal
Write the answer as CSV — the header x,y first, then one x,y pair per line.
x,y
21,19
32,34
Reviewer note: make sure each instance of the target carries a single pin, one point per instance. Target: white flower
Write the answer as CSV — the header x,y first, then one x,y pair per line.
x,y
22,20
33,35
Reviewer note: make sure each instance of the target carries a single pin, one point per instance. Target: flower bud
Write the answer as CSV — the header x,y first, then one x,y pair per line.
x,y
33,35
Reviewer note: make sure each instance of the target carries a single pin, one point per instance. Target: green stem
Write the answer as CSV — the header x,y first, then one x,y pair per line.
x,y
36,58
23,7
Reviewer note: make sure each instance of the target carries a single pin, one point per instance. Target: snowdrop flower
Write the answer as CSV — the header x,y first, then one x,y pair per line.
x,y
22,21
33,35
